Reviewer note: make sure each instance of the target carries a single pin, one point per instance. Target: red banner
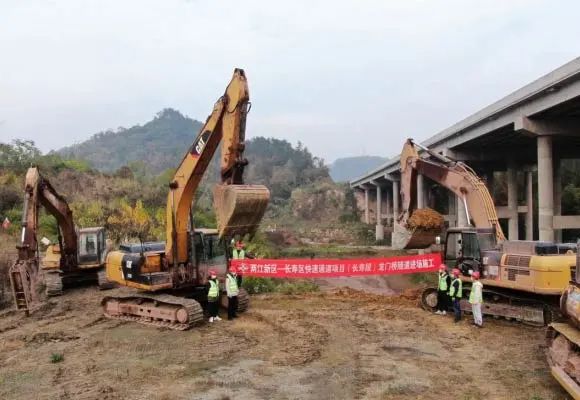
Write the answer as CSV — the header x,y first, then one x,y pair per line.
x,y
324,268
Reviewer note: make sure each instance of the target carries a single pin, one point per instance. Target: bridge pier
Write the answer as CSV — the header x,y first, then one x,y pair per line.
x,y
530,205
545,189
512,192
379,228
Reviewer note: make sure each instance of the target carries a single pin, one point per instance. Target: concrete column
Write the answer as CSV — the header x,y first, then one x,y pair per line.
x,y
530,205
420,191
512,189
452,208
545,189
388,210
367,220
557,196
379,229
395,201
461,213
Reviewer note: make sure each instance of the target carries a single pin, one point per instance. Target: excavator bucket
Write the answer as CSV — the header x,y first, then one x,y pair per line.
x,y
423,227
239,208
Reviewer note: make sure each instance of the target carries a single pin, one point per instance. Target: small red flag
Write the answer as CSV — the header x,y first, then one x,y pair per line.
x,y
6,223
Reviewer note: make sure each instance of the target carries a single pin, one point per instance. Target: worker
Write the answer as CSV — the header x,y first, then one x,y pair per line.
x,y
443,290
213,295
476,298
238,253
455,293
232,290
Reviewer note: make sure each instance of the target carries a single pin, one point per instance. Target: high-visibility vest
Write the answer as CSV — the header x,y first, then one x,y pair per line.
x,y
232,283
238,254
214,290
459,293
475,296
442,281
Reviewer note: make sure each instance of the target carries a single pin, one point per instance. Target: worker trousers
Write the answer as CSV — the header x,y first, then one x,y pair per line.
x,y
457,308
442,300
212,308
232,307
477,317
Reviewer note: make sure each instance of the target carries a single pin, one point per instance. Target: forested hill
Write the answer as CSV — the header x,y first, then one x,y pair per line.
x,y
159,144
345,169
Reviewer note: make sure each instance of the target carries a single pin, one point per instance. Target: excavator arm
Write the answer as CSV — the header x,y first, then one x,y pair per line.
x,y
239,208
24,273
453,175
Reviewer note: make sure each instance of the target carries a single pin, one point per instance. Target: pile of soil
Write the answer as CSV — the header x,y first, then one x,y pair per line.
x,y
426,219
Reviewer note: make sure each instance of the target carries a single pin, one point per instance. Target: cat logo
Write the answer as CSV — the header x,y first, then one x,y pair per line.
x,y
200,143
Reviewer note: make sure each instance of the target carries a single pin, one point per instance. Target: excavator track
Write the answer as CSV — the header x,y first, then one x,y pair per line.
x,y
563,356
160,310
502,305
243,301
53,283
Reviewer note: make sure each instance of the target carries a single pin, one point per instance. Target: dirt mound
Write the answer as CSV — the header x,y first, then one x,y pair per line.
x,y
426,218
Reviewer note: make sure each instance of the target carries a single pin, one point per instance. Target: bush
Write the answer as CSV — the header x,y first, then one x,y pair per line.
x,y
56,358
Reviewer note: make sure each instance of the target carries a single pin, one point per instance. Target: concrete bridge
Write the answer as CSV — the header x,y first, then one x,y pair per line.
x,y
520,140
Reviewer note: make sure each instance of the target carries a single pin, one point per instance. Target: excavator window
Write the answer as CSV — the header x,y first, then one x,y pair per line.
x,y
452,249
461,246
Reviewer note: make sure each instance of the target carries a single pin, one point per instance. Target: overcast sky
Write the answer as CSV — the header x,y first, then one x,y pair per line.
x,y
344,77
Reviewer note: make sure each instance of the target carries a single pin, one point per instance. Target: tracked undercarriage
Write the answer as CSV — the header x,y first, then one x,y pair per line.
x,y
504,304
162,310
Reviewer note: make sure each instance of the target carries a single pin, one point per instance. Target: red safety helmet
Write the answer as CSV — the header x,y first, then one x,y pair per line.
x,y
456,272
475,275
212,273
443,267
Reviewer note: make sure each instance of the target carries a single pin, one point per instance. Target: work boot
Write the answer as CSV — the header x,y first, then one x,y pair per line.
x,y
217,318
443,312
210,319
438,312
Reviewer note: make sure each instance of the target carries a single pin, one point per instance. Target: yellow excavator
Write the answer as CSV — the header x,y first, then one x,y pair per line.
x,y
522,279
564,338
170,277
78,256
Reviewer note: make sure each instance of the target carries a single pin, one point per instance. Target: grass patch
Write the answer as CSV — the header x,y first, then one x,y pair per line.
x,y
255,285
56,358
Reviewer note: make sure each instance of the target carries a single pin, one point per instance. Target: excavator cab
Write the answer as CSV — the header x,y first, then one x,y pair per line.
x,y
465,248
92,247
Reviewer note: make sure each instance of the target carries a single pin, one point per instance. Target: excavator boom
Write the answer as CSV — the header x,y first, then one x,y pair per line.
x,y
451,174
239,208
24,273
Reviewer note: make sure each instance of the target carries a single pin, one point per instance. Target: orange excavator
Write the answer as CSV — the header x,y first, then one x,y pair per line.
x,y
564,337
78,256
522,279
170,277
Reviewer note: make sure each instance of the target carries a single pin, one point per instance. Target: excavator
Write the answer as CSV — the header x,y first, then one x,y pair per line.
x,y
563,338
78,256
170,277
522,279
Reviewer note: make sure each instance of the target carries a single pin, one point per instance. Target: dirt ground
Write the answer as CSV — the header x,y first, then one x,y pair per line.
x,y
336,344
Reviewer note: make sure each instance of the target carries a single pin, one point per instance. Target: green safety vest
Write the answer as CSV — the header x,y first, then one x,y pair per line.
x,y
232,283
472,296
459,293
442,281
214,290
238,254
